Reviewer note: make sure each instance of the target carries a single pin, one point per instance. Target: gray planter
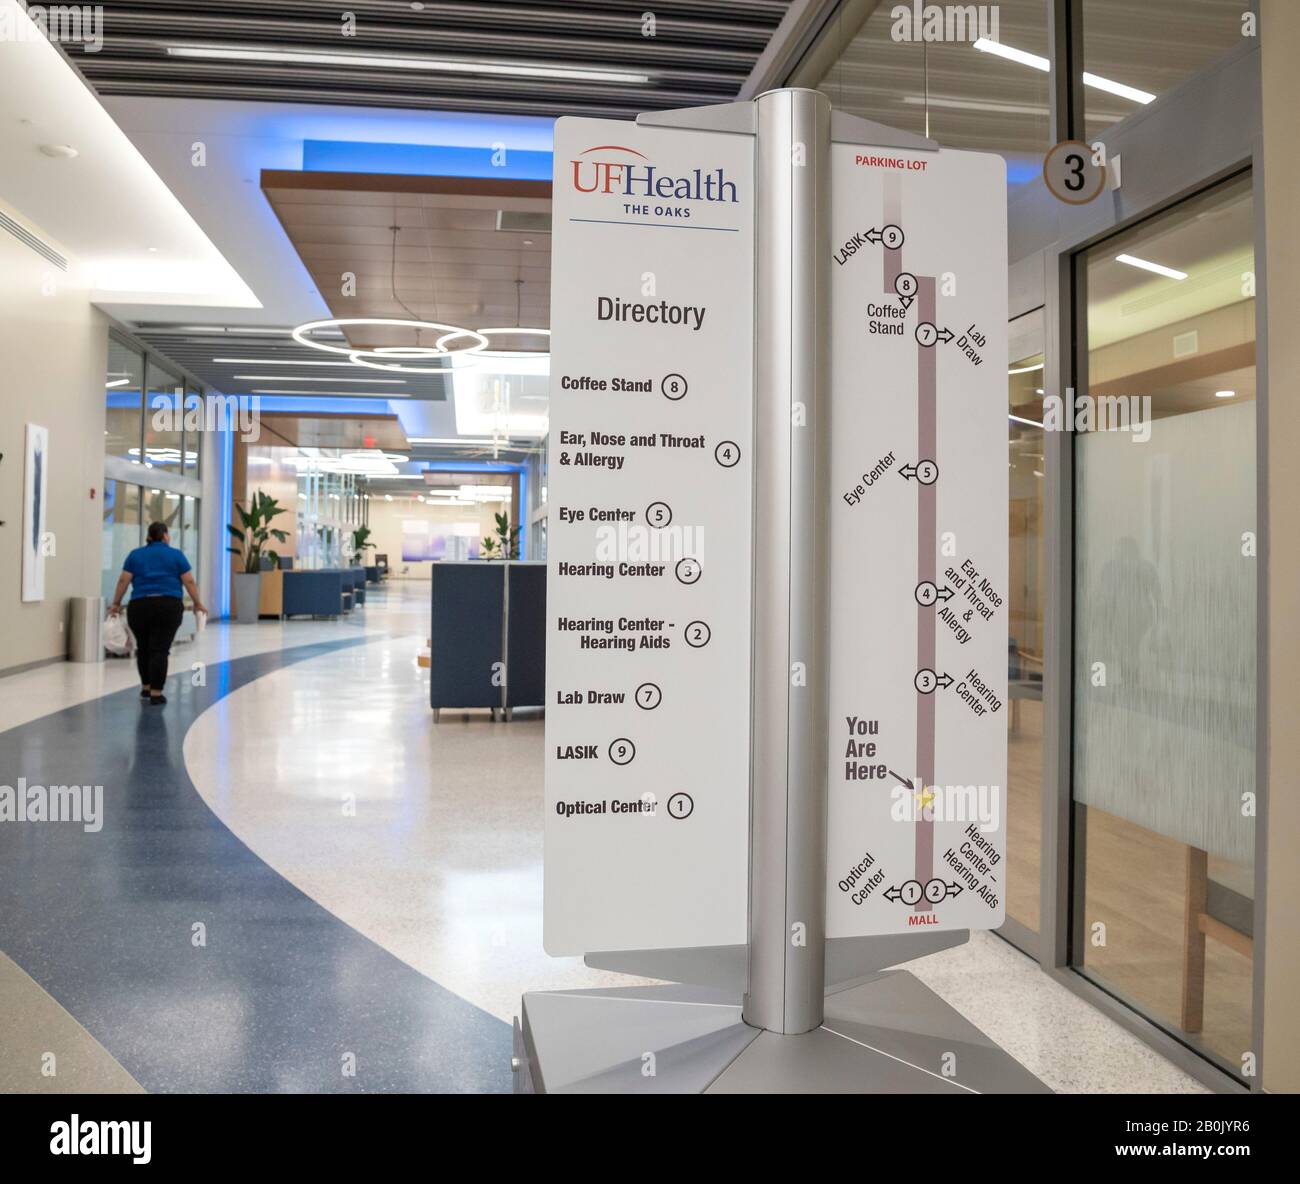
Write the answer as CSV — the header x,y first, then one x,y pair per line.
x,y
248,595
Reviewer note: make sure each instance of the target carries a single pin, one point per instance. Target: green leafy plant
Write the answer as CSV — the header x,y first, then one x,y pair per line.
x,y
361,539
254,532
505,543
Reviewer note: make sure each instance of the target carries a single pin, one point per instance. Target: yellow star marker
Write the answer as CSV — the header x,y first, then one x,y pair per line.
x,y
925,797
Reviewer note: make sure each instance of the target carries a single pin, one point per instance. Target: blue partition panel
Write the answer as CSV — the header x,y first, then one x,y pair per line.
x,y
465,634
526,650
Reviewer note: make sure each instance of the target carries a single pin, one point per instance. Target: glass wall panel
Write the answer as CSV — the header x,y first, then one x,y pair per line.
x,y
1165,629
121,532
1027,588
163,435
953,82
193,432
163,506
1135,52
124,395
190,541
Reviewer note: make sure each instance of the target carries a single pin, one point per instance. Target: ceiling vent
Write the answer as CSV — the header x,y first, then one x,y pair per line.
x,y
1186,344
27,238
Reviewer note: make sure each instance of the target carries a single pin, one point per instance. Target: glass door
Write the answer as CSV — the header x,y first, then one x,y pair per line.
x,y
1165,630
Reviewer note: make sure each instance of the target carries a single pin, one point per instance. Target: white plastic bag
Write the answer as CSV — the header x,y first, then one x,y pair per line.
x,y
117,637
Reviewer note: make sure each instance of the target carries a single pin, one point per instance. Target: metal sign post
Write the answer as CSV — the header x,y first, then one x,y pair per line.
x,y
784,1009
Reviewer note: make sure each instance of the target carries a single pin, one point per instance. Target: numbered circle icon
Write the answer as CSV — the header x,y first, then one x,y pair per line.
x,y
925,681
681,805
927,472
697,634
935,891
1071,174
911,892
673,387
891,236
727,453
688,570
658,515
621,751
906,284
926,594
926,334
648,696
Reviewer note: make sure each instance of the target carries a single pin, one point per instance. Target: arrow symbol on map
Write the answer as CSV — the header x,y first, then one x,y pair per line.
x,y
872,235
925,471
954,889
946,334
944,593
944,680
893,893
906,301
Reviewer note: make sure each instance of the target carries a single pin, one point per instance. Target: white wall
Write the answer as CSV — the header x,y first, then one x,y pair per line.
x,y
53,355
386,529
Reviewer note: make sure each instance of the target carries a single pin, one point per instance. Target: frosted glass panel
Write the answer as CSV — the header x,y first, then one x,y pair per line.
x,y
1165,601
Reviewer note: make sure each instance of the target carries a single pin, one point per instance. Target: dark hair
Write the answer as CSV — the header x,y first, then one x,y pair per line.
x,y
156,531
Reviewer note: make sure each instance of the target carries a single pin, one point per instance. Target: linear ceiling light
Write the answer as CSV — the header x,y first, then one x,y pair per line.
x,y
367,61
339,394
277,362
1025,369
984,45
300,378
1147,265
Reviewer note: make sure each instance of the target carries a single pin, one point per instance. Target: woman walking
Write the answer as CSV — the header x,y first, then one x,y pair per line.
x,y
156,574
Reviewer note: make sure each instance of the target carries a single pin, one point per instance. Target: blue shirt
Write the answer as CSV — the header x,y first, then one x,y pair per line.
x,y
156,570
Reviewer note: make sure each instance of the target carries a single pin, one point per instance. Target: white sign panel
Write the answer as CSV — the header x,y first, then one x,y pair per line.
x,y
919,634
647,723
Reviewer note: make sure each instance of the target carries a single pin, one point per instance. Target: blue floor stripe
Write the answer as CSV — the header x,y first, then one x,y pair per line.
x,y
282,993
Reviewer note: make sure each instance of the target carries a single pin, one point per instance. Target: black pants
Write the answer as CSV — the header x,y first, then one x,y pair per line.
x,y
154,621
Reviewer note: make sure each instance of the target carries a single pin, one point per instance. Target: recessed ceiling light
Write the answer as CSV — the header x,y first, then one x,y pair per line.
x,y
984,45
60,151
1147,265
370,61
1224,394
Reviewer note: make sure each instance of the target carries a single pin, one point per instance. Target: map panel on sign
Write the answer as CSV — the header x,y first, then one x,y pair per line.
x,y
919,631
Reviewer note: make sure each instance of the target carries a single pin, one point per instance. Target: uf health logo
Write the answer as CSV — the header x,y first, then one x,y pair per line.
x,y
631,179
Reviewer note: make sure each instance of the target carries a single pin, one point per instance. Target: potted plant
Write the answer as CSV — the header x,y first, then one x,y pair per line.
x,y
252,534
505,544
360,543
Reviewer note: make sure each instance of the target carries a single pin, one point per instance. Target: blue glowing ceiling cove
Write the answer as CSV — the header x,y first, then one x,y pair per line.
x,y
424,160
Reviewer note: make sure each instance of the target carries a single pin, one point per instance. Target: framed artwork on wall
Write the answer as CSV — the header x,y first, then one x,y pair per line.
x,y
36,475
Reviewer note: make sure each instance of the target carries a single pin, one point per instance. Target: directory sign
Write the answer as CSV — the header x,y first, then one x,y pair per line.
x,y
648,590
919,629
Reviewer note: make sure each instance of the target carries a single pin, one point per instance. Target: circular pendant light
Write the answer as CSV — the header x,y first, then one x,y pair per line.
x,y
448,333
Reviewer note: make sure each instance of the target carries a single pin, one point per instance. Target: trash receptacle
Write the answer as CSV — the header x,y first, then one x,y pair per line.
x,y
86,629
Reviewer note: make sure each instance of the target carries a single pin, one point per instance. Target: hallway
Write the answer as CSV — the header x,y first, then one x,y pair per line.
x,y
303,884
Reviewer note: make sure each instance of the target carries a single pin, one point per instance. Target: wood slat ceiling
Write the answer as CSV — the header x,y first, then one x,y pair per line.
x,y
701,51
447,261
